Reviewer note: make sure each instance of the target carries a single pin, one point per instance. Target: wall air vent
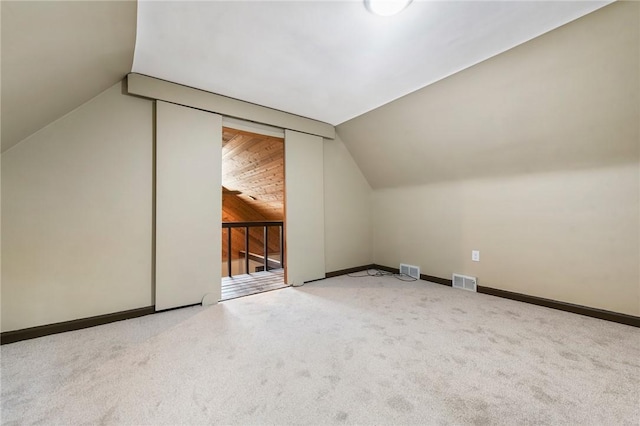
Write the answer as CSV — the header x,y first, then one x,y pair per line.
x,y
465,282
410,271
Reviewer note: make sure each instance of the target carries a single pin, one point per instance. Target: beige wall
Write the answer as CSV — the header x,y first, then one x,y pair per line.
x,y
77,206
347,210
568,236
77,203
77,200
531,157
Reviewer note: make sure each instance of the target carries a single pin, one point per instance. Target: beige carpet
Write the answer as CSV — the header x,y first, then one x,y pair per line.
x,y
345,350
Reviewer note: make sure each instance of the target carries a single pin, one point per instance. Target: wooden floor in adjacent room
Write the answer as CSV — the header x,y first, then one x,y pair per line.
x,y
246,284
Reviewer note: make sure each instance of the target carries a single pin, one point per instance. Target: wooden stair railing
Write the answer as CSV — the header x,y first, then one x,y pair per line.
x,y
268,263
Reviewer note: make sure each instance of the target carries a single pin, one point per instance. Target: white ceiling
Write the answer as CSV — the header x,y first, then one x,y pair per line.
x,y
332,60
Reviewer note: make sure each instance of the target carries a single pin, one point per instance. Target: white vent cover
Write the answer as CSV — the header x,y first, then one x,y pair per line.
x,y
465,282
410,271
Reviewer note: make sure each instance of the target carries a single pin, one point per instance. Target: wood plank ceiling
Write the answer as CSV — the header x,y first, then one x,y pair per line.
x,y
253,171
252,187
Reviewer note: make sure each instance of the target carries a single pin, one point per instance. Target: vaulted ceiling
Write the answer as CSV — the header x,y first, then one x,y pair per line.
x,y
326,60
331,60
56,55
566,101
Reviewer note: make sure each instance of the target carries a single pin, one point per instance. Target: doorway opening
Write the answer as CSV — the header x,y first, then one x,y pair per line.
x,y
253,215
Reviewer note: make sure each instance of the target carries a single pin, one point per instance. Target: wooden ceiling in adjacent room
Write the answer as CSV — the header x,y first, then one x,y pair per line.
x,y
253,171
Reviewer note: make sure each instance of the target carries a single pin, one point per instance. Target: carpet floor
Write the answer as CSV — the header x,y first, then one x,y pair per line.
x,y
371,350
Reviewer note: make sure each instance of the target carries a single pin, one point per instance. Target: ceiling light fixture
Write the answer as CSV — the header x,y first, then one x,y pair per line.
x,y
386,7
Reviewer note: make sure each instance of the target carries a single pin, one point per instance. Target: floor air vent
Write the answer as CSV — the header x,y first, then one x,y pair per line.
x,y
465,282
410,271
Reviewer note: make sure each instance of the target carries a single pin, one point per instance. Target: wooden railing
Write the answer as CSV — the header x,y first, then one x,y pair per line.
x,y
268,263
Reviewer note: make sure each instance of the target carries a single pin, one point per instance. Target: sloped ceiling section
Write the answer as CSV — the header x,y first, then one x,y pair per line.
x,y
331,60
253,167
567,100
57,55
